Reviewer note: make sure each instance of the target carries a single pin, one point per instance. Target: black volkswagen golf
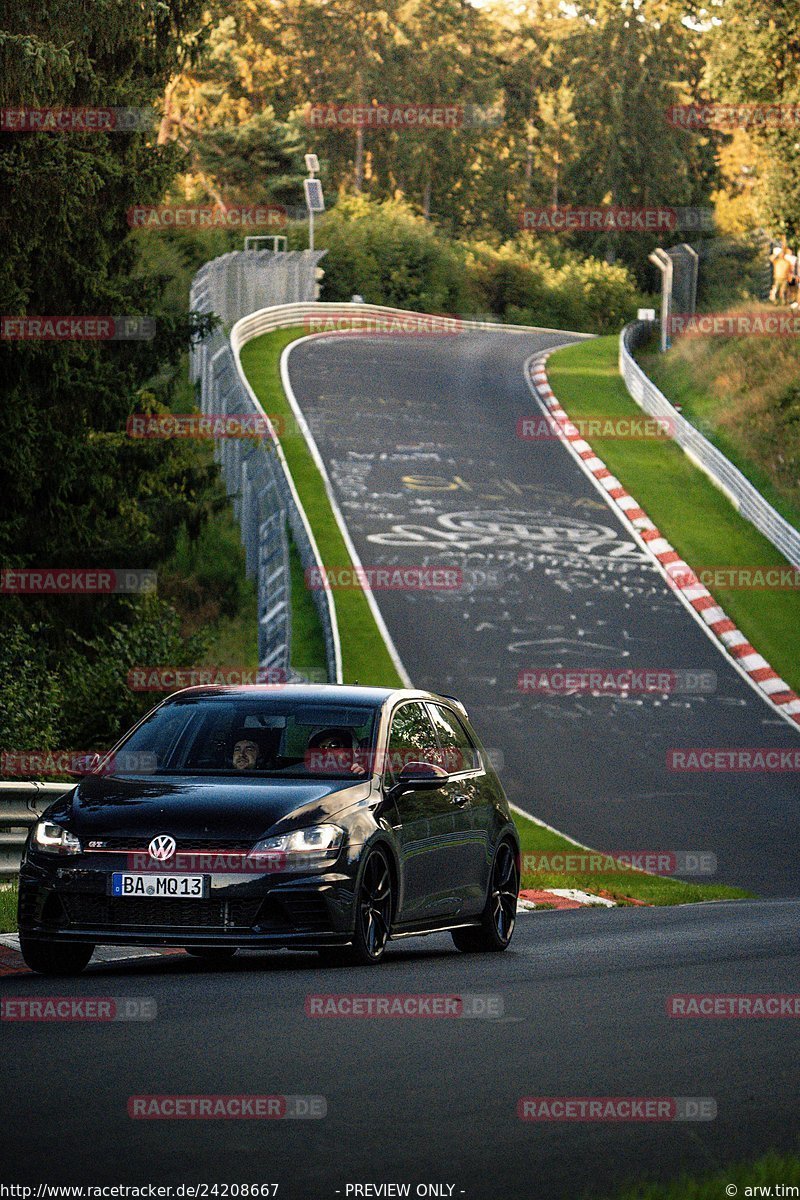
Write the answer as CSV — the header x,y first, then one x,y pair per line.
x,y
325,818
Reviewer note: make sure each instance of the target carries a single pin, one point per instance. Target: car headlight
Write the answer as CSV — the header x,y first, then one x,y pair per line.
x,y
53,839
304,849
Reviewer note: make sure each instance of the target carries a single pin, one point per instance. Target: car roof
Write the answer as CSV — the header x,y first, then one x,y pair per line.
x,y
314,692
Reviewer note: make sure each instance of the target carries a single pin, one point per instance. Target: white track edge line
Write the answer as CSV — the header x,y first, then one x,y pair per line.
x,y
337,512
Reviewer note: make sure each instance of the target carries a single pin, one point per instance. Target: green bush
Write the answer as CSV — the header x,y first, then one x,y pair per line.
x,y
389,255
522,284
77,697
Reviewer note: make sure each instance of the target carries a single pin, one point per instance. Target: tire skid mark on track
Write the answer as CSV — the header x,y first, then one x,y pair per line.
x,y
730,640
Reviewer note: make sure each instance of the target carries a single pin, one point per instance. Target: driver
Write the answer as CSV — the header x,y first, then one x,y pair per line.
x,y
246,755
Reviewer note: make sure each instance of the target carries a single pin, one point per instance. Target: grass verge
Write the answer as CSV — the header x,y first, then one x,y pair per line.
x,y
621,885
8,909
365,658
746,1178
689,510
743,394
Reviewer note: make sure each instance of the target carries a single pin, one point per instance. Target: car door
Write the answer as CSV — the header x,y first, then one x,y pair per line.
x,y
423,821
465,791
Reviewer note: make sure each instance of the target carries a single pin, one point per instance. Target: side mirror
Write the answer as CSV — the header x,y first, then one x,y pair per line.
x,y
419,776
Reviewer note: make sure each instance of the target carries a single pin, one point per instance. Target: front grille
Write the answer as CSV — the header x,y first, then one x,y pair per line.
x,y
100,911
184,846
298,912
29,905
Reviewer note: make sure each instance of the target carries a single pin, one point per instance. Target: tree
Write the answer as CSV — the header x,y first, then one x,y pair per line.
x,y
76,491
553,136
755,59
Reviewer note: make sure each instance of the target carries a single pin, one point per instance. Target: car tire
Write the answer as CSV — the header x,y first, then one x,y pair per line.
x,y
500,914
373,917
55,958
212,953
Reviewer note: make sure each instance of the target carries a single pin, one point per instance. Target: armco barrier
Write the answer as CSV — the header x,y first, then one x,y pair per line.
x,y
20,805
741,493
255,471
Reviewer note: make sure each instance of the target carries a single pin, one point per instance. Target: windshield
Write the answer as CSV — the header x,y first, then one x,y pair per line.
x,y
251,736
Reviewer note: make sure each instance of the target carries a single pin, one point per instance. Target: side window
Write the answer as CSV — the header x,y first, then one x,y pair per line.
x,y
165,730
458,752
411,739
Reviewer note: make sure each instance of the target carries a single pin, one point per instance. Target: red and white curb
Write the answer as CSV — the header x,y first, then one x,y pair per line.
x,y
681,577
531,899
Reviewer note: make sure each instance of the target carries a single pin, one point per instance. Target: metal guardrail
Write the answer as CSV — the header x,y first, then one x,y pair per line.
x,y
20,805
256,475
741,493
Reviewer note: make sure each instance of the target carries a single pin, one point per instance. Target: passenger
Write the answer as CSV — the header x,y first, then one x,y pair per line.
x,y
338,740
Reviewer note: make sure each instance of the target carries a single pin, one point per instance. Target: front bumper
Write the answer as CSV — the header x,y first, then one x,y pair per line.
x,y
73,903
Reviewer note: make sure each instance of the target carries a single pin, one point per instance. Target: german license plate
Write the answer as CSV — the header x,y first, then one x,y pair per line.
x,y
169,886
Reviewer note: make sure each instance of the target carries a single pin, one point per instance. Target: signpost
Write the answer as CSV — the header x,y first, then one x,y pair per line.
x,y
315,201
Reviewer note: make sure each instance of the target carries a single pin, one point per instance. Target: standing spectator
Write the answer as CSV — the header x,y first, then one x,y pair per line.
x,y
781,271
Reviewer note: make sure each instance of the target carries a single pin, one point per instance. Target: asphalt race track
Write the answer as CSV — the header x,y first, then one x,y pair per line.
x,y
419,438
422,1100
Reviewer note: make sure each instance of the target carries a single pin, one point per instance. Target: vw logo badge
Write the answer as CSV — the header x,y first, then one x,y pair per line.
x,y
162,847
